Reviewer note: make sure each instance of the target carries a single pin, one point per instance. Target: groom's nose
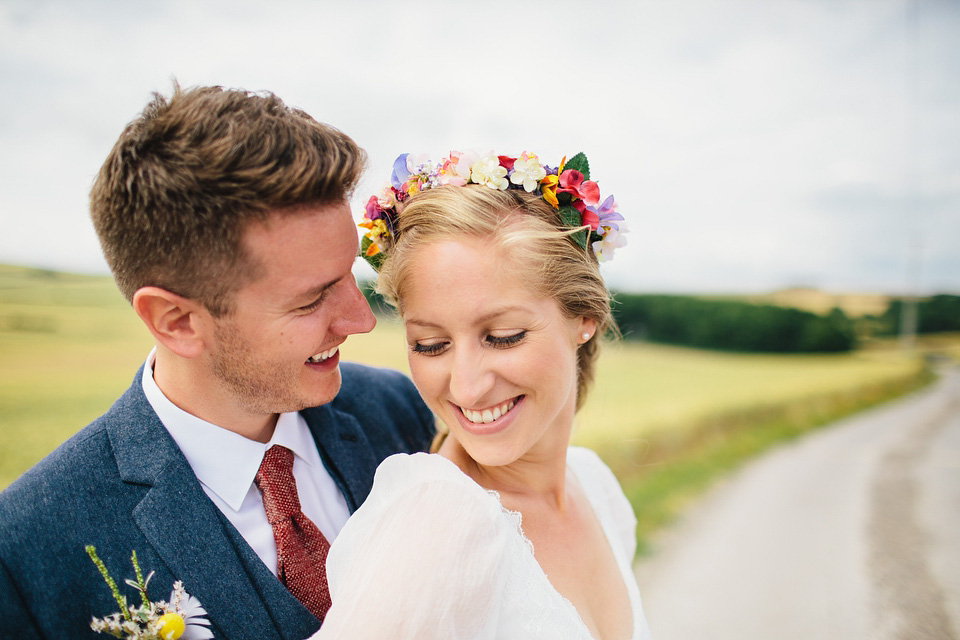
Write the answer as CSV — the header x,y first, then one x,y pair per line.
x,y
353,314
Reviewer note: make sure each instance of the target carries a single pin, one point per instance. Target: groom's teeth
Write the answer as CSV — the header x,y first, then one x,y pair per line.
x,y
320,357
487,415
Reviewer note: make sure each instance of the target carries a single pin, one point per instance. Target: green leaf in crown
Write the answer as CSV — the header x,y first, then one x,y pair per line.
x,y
579,163
571,218
376,260
412,175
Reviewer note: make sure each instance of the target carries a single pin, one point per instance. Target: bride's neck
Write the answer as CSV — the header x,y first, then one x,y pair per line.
x,y
536,477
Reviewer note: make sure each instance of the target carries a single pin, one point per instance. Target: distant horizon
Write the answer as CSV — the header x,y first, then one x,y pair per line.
x,y
686,292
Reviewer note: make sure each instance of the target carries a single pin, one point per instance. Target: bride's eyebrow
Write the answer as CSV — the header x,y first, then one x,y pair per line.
x,y
479,320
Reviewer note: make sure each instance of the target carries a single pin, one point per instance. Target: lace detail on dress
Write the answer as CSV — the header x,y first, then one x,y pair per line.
x,y
515,518
542,604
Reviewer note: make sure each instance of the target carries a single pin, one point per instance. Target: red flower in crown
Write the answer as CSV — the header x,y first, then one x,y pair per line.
x,y
572,182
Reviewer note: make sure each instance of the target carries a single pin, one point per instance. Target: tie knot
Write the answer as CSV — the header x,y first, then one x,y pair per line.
x,y
277,485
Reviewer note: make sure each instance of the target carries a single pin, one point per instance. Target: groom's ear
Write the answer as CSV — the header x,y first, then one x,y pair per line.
x,y
176,322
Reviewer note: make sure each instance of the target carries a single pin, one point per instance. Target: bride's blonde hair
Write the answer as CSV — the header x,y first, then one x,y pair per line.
x,y
530,232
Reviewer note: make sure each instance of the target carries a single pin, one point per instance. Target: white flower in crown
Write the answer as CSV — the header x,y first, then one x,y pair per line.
x,y
612,240
455,170
487,171
387,198
527,171
420,164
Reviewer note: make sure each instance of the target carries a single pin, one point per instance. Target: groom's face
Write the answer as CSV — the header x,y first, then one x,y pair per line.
x,y
279,350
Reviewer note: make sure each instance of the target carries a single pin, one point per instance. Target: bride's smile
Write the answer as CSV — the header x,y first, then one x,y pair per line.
x,y
496,362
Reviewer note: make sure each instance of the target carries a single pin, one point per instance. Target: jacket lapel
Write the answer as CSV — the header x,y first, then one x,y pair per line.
x,y
181,523
345,452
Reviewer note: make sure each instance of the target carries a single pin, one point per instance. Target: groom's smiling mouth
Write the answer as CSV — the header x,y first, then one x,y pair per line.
x,y
323,355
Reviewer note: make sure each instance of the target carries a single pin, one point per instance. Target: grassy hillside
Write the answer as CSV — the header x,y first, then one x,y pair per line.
x,y
69,345
665,418
854,305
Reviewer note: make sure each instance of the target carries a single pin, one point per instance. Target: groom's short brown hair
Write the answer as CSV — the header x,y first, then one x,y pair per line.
x,y
178,189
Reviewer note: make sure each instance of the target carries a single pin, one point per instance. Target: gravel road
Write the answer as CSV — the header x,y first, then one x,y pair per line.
x,y
850,532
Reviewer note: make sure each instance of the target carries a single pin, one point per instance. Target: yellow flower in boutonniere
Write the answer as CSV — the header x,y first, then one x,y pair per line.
x,y
179,619
170,626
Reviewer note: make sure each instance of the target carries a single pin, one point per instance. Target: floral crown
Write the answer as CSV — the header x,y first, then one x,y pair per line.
x,y
567,188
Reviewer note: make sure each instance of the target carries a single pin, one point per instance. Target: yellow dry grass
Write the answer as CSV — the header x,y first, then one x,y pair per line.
x,y
69,346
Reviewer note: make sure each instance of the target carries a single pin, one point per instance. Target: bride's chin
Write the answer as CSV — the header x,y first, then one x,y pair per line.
x,y
485,454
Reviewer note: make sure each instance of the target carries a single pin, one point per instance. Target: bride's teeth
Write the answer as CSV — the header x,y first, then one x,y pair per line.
x,y
487,415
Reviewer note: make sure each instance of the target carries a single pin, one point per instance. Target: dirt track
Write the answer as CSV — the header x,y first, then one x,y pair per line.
x,y
852,532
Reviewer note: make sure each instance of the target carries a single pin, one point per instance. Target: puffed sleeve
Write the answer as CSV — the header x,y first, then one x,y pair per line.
x,y
420,558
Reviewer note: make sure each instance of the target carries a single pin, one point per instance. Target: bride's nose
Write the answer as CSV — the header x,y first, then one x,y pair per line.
x,y
471,377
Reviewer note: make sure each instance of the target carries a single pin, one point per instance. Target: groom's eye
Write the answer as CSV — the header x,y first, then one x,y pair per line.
x,y
313,306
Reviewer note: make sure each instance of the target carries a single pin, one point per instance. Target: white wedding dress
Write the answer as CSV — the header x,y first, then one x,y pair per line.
x,y
431,554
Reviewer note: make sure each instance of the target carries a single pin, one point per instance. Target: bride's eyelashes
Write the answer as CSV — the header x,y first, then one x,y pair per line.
x,y
497,342
502,342
432,349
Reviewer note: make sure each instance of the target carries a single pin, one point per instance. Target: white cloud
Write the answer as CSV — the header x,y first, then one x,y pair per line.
x,y
725,129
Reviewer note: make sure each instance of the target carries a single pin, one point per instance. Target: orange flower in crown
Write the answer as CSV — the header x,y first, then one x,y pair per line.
x,y
567,188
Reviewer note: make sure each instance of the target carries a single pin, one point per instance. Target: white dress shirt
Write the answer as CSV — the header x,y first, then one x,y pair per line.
x,y
226,463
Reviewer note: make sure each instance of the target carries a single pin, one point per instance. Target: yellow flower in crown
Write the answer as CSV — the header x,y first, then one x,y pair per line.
x,y
568,189
548,186
377,230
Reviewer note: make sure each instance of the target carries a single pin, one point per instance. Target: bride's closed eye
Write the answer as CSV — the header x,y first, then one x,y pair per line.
x,y
431,349
503,342
497,342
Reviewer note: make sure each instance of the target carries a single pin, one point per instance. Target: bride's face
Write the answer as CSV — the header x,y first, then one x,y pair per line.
x,y
495,362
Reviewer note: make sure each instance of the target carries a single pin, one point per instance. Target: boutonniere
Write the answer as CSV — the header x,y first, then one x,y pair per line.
x,y
180,617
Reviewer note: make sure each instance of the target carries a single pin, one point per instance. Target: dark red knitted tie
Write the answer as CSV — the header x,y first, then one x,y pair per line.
x,y
301,548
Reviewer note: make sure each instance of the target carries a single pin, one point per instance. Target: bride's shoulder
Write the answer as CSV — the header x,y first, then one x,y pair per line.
x,y
592,472
586,462
423,477
604,492
404,469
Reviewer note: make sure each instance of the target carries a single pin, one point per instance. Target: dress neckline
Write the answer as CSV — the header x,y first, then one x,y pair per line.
x,y
516,519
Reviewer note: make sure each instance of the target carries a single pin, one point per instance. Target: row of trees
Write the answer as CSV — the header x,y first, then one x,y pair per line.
x,y
934,314
731,325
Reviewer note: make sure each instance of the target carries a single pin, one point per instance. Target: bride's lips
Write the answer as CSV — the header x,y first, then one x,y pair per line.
x,y
483,422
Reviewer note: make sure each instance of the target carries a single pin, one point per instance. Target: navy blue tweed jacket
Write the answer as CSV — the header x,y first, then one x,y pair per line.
x,y
122,484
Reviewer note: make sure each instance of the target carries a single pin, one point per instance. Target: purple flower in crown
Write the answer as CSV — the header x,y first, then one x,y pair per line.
x,y
607,215
567,188
401,172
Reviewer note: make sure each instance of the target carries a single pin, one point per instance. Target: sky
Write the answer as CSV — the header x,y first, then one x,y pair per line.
x,y
751,145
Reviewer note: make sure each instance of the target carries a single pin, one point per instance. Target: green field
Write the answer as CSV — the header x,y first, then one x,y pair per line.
x,y
69,346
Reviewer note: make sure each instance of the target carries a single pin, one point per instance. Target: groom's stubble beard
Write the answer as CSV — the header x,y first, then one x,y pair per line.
x,y
261,386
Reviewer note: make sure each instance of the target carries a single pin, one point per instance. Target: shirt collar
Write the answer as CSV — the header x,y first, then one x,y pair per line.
x,y
223,461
